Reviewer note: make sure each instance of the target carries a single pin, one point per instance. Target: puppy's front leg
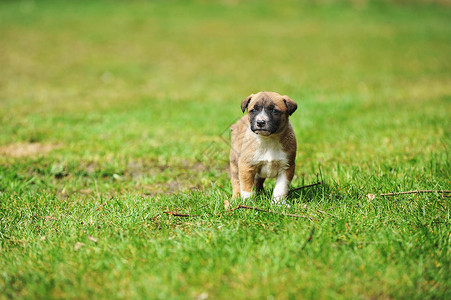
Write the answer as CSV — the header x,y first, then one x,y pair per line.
x,y
247,176
282,186
234,174
281,189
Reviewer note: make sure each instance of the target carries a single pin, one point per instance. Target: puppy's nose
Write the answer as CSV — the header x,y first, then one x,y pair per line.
x,y
261,123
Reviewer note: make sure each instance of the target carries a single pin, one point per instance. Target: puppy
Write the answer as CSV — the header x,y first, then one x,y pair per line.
x,y
263,145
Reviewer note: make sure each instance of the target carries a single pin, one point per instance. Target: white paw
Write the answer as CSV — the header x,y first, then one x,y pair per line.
x,y
245,195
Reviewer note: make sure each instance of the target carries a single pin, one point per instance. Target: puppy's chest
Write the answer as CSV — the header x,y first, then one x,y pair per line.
x,y
270,160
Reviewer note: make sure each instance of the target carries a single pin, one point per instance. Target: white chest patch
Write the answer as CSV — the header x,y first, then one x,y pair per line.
x,y
270,158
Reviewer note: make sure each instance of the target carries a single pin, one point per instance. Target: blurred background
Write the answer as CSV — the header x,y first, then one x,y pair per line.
x,y
136,91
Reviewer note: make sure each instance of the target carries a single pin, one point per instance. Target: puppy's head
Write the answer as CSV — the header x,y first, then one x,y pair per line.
x,y
268,112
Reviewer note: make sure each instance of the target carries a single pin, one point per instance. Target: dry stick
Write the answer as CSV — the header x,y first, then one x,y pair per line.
x,y
253,208
100,206
415,192
309,238
305,186
178,214
323,212
271,212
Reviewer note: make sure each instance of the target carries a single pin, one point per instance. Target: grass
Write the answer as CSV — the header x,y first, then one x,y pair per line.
x,y
113,112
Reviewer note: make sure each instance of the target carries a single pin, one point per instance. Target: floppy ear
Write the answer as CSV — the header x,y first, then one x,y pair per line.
x,y
245,103
291,105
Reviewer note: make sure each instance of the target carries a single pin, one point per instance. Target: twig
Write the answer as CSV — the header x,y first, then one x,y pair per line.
x,y
415,192
271,212
310,237
100,206
305,186
176,214
179,214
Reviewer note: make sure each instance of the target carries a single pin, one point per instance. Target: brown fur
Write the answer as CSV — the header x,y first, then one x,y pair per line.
x,y
245,143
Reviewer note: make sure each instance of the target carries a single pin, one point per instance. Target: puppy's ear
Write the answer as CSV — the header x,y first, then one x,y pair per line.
x,y
245,103
291,105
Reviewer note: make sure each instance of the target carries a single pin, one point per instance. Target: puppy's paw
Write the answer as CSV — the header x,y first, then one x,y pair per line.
x,y
245,195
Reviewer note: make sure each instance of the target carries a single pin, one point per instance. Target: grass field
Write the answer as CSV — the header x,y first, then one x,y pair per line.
x,y
113,112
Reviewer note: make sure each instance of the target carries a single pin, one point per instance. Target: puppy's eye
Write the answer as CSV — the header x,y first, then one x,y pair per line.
x,y
275,111
254,109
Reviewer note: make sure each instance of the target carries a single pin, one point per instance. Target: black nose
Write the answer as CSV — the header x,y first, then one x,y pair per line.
x,y
261,123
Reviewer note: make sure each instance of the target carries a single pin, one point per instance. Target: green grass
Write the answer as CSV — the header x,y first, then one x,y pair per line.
x,y
112,112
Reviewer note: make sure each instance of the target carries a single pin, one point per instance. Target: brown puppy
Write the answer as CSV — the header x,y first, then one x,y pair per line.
x,y
263,145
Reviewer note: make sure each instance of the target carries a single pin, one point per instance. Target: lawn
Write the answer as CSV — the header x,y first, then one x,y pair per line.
x,y
113,113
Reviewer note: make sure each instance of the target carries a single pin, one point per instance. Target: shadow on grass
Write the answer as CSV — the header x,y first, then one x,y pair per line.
x,y
309,194
331,193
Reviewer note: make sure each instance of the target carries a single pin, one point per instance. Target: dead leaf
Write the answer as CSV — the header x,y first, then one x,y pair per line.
x,y
78,245
92,239
370,197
